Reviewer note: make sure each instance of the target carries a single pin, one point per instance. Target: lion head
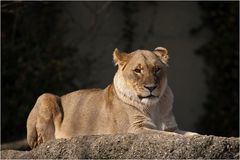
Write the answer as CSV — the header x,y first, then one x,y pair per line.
x,y
141,77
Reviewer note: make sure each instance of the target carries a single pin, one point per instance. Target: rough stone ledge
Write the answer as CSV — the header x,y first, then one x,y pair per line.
x,y
132,146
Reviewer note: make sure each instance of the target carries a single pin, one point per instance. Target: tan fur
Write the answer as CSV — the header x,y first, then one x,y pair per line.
x,y
122,107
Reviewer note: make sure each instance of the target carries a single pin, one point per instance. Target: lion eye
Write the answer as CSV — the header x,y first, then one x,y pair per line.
x,y
137,70
157,69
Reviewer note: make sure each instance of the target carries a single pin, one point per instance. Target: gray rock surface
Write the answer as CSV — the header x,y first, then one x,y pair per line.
x,y
132,146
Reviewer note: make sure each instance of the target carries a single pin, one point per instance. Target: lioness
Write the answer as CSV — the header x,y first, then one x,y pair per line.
x,y
138,101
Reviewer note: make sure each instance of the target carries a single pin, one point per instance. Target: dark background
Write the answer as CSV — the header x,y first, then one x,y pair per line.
x,y
36,59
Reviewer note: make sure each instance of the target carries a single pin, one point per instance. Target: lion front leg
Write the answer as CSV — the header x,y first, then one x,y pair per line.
x,y
168,132
144,130
43,120
186,133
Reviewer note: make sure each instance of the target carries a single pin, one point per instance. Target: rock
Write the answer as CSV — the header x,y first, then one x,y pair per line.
x,y
133,146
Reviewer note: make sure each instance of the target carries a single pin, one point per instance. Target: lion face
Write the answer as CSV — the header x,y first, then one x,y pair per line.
x,y
142,74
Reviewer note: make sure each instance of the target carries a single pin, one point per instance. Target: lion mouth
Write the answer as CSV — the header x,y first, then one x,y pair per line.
x,y
149,96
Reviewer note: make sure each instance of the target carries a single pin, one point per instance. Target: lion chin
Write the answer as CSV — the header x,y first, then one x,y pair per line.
x,y
150,101
138,101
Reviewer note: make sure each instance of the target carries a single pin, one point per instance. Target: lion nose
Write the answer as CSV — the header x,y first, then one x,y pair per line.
x,y
150,87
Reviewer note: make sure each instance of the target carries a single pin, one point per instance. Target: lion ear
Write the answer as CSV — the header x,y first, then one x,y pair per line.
x,y
120,59
162,53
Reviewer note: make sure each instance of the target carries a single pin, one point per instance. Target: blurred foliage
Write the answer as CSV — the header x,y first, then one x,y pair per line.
x,y
221,57
34,60
128,10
